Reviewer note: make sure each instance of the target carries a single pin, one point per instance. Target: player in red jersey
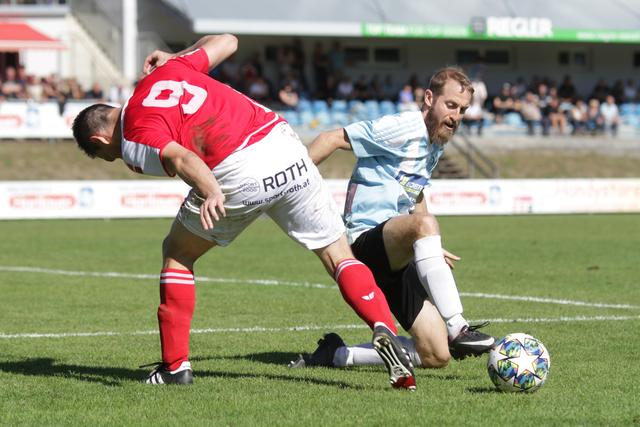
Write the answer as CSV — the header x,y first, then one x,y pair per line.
x,y
241,160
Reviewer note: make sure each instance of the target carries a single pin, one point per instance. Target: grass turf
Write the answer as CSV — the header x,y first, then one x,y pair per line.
x,y
242,342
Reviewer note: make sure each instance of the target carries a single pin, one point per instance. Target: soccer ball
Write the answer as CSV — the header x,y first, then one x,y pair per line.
x,y
519,362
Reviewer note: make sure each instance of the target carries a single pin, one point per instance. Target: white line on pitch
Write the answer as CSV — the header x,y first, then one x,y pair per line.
x,y
269,282
563,319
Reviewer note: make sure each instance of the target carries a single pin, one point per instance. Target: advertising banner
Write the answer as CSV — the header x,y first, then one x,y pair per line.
x,y
162,197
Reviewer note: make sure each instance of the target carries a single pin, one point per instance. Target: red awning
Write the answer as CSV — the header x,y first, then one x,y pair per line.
x,y
16,36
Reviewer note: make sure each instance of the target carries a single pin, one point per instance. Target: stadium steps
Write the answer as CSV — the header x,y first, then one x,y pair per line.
x,y
449,169
97,64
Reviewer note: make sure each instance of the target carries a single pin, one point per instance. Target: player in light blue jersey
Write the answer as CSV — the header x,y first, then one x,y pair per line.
x,y
391,230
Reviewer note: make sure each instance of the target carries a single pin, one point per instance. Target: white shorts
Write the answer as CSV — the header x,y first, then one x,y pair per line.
x,y
274,176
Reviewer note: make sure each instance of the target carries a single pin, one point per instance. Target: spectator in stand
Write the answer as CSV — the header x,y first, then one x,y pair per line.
x,y
49,88
530,110
361,88
618,91
252,68
610,115
230,72
288,96
519,89
376,90
388,88
13,88
600,90
118,94
344,90
504,103
557,118
578,117
406,101
630,91
259,89
34,89
95,92
418,96
475,113
595,122
320,70
414,82
74,90
544,100
567,90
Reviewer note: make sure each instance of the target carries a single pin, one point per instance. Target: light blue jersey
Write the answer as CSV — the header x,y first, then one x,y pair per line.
x,y
395,162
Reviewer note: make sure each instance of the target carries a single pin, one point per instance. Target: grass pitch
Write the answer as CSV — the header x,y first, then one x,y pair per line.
x,y
78,316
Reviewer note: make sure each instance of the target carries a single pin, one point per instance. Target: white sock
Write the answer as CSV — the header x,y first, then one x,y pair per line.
x,y
437,278
365,354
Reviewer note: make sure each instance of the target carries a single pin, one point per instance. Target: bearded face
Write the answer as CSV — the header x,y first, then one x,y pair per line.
x,y
445,111
441,131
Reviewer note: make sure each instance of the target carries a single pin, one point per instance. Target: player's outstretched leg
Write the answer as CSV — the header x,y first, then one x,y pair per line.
x,y
471,342
162,375
395,358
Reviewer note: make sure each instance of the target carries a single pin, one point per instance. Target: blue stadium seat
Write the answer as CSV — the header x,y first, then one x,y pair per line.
x,y
387,107
320,106
514,119
303,105
306,117
323,118
292,117
339,106
373,109
340,118
357,110
628,109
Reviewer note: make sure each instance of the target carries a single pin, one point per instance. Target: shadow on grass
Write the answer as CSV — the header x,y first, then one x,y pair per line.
x,y
271,358
484,390
275,377
47,367
109,376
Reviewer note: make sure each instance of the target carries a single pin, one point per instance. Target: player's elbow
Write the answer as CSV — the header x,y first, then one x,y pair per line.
x,y
227,42
230,41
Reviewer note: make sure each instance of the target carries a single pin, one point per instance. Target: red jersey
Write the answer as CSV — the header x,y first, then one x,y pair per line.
x,y
179,102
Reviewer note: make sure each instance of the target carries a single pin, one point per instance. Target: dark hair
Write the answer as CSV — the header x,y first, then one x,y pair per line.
x,y
441,76
90,121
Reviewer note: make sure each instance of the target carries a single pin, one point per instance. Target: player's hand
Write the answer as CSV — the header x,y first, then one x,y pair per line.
x,y
212,209
154,60
450,258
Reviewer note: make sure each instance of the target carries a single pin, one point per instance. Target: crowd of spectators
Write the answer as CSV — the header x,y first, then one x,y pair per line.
x,y
541,104
16,84
561,108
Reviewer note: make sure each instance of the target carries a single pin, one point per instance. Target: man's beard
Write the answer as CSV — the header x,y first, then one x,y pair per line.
x,y
438,132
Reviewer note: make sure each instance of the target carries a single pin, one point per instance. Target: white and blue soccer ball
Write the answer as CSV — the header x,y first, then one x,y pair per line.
x,y
519,363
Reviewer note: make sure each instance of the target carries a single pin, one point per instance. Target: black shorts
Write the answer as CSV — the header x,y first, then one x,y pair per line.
x,y
403,290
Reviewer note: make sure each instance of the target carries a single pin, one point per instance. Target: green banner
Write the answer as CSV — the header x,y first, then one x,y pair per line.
x,y
466,32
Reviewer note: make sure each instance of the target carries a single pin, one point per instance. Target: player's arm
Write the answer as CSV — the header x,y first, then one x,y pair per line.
x,y
421,209
326,143
188,166
218,48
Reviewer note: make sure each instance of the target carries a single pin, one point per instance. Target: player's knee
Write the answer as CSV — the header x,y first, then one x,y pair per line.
x,y
426,225
436,360
175,254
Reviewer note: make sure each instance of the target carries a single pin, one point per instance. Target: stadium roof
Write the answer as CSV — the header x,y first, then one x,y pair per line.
x,y
15,36
567,20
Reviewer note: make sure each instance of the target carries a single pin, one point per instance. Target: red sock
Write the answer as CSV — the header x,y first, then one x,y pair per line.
x,y
177,301
359,289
